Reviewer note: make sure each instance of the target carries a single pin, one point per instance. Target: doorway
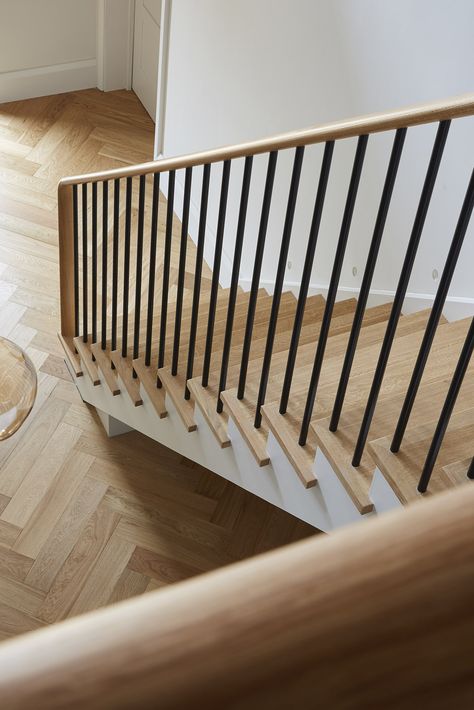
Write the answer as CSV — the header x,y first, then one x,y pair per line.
x,y
146,52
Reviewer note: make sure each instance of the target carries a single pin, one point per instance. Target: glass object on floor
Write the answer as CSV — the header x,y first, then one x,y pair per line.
x,y
18,384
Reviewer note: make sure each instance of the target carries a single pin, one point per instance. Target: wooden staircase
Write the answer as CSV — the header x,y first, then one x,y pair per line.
x,y
165,320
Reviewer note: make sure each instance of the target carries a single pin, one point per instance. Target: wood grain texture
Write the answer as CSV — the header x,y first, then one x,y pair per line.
x,y
375,616
65,488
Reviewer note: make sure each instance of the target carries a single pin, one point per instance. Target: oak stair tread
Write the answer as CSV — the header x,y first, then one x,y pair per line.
x,y
403,469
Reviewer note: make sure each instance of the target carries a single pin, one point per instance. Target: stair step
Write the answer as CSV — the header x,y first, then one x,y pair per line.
x,y
125,371
103,360
338,447
256,438
403,470
175,386
336,347
71,355
147,377
216,422
300,457
88,363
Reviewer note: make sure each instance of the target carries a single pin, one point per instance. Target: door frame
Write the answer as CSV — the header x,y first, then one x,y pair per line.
x,y
115,31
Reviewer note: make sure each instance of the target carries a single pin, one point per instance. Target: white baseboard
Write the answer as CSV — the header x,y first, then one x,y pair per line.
x,y
456,307
45,81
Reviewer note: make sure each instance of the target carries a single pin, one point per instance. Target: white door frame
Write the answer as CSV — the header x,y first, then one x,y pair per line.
x,y
115,31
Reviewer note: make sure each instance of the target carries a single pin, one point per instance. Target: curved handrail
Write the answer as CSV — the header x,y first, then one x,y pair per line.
x,y
373,123
380,610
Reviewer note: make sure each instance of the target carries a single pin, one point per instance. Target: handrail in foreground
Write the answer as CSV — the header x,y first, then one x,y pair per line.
x,y
377,615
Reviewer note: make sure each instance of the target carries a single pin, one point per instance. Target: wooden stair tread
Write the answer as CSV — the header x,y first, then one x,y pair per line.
x,y
72,357
103,361
147,378
125,371
175,386
339,446
241,413
284,428
207,404
85,355
403,470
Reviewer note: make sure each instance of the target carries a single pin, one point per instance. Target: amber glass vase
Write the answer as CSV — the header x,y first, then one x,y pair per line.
x,y
18,385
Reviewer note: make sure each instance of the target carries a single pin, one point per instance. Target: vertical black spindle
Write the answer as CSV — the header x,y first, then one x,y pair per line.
x,y
115,263
336,271
152,268
105,236
470,472
280,275
139,266
181,270
216,271
94,262
257,269
402,286
435,315
306,275
450,401
197,274
365,286
84,265
126,265
166,268
234,279
75,214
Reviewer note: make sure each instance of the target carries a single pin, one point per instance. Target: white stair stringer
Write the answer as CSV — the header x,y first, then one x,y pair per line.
x,y
326,505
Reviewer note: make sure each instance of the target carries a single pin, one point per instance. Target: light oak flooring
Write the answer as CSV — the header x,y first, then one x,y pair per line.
x,y
85,520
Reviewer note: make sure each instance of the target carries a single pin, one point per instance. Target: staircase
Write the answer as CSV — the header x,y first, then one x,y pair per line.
x,y
333,409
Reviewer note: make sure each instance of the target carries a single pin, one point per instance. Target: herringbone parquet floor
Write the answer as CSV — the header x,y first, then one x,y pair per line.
x,y
86,520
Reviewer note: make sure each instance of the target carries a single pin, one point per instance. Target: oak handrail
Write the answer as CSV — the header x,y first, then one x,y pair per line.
x,y
377,615
455,107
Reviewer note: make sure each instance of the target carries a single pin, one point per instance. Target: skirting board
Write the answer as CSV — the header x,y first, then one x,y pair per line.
x,y
45,81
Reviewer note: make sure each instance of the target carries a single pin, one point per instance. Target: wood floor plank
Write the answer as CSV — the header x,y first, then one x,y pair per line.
x,y
41,475
73,574
64,534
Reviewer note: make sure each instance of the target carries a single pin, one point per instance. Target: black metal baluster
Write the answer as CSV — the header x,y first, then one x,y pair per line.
x,y
257,269
435,315
306,275
115,263
234,280
197,274
94,262
105,236
181,270
75,214
84,265
333,284
470,473
126,265
448,406
367,278
402,286
152,268
280,275
139,267
216,271
166,268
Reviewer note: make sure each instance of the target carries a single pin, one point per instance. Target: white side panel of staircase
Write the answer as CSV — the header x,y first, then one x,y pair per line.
x,y
278,484
342,509
382,494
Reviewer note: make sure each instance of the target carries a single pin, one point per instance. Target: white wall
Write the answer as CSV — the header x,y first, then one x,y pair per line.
x,y
47,46
248,69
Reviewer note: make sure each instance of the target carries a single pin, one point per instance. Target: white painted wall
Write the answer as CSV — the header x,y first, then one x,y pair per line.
x,y
240,71
46,46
